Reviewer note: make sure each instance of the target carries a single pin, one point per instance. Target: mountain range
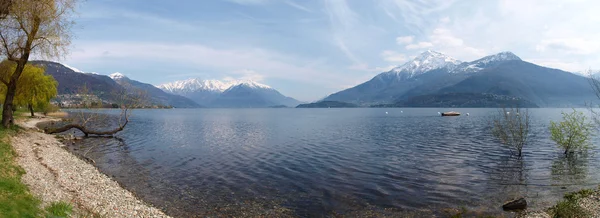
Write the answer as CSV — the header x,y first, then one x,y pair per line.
x,y
433,79
239,93
201,93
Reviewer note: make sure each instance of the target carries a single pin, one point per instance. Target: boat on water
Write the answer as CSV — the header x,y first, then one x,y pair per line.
x,y
450,114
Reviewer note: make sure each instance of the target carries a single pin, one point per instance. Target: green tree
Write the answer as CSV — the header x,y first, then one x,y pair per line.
x,y
32,27
573,133
34,89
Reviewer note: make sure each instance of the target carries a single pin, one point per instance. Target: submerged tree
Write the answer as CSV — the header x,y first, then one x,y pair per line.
x,y
34,89
573,133
31,27
511,127
90,119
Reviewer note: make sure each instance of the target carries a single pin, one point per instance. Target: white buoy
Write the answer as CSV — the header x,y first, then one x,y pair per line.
x,y
467,114
439,113
401,111
507,112
386,112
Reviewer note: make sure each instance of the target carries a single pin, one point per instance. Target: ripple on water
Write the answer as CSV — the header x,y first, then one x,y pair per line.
x,y
318,162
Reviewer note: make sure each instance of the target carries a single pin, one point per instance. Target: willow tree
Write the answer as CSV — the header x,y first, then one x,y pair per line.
x,y
35,88
38,28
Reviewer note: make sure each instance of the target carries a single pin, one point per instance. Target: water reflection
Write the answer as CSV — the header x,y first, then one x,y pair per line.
x,y
333,161
570,169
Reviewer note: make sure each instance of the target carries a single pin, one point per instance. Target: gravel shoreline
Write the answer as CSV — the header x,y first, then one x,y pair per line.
x,y
54,174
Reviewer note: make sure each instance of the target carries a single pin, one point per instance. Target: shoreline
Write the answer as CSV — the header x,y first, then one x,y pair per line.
x,y
55,174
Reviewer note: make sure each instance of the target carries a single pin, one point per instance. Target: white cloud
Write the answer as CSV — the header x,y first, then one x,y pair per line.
x,y
394,57
247,74
403,40
415,15
419,45
243,63
298,6
569,45
445,20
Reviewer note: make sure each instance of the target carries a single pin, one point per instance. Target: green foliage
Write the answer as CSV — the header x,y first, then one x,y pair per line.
x,y
34,88
583,193
573,133
15,199
58,209
48,108
570,207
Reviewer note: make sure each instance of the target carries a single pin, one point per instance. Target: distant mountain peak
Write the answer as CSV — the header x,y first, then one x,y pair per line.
x,y
117,76
253,84
195,84
504,56
426,61
487,61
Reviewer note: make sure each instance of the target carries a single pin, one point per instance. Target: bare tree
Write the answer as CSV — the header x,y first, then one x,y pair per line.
x,y
31,27
594,81
88,120
511,127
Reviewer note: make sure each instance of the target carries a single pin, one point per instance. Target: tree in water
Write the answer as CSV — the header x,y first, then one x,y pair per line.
x,y
88,120
573,133
34,89
511,127
31,27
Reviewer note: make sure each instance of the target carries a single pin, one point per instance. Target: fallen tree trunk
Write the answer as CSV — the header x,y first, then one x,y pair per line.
x,y
86,131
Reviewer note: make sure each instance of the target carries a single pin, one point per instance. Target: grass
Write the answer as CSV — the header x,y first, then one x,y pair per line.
x,y
59,209
15,199
569,207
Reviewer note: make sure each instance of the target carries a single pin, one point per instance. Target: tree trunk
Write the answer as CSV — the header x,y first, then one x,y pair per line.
x,y
11,90
30,107
7,108
86,131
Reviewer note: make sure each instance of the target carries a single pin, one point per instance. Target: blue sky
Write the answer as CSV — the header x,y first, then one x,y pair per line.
x,y
308,49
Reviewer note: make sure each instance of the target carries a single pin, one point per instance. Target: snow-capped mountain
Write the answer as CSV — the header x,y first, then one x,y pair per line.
x,y
230,93
485,62
117,76
426,61
193,85
433,74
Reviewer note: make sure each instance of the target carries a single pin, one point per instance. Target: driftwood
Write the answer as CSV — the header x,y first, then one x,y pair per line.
x,y
125,113
86,131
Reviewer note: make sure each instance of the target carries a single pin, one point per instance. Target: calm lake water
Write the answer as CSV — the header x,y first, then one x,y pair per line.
x,y
321,162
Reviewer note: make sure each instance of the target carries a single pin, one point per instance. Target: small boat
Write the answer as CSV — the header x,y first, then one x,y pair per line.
x,y
451,113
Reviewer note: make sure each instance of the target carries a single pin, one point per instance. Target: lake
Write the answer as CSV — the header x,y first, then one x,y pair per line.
x,y
325,162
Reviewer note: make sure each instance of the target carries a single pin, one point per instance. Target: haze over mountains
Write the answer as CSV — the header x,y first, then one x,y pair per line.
x,y
210,93
239,93
433,79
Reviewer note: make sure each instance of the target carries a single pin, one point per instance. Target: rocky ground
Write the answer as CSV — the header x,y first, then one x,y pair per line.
x,y
54,174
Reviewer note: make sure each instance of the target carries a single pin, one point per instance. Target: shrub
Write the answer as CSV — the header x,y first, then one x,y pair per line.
x,y
573,133
511,127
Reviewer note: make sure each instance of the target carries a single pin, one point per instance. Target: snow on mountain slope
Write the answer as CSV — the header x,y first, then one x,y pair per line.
x,y
72,68
117,76
487,61
193,85
426,61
